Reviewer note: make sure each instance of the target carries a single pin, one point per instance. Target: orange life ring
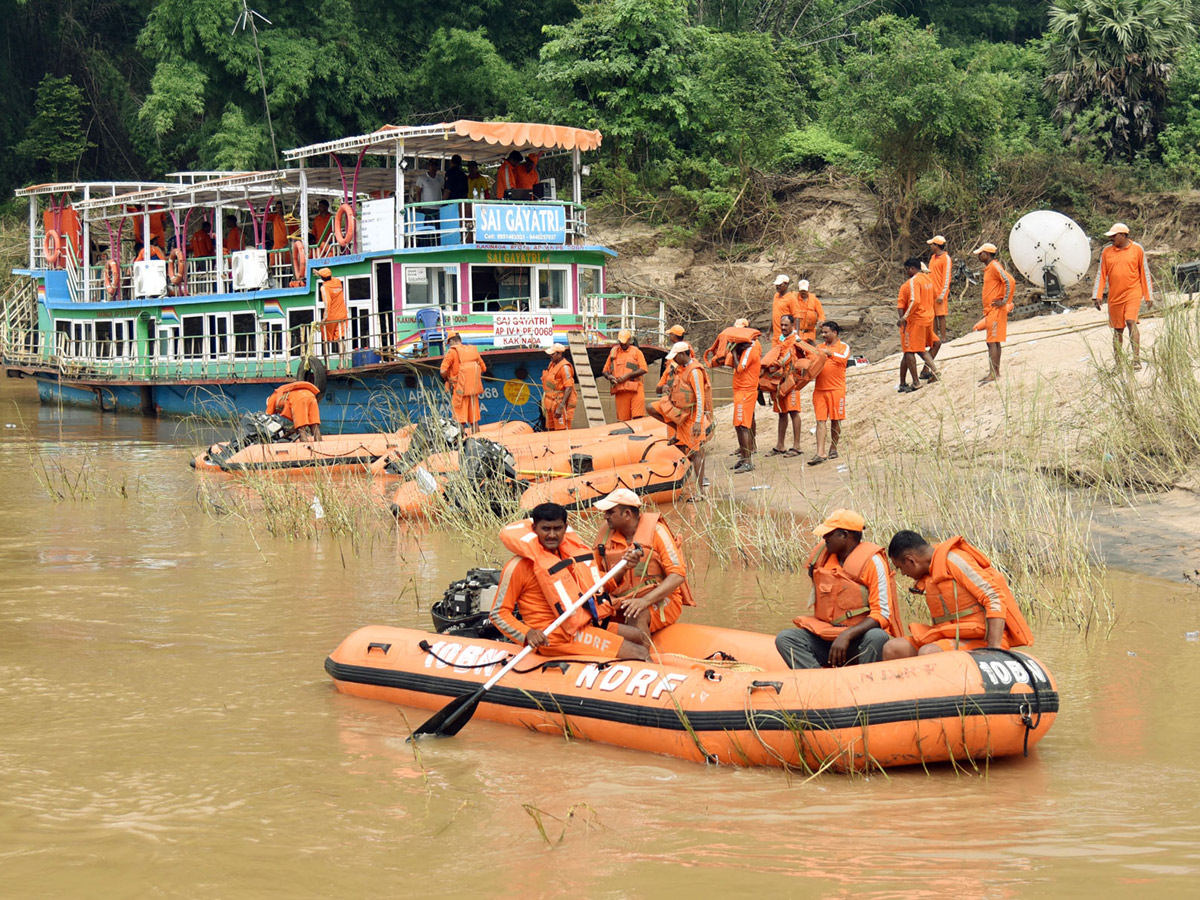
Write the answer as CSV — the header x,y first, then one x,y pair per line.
x,y
112,278
176,266
344,234
299,258
52,247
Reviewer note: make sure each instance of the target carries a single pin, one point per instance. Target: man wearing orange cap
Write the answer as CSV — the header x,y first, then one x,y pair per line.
x,y
809,313
969,600
1124,271
940,271
558,390
334,316
784,304
915,306
651,594
854,600
624,369
998,288
462,371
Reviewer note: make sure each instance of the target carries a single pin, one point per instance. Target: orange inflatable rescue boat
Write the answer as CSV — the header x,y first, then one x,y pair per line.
x,y
722,696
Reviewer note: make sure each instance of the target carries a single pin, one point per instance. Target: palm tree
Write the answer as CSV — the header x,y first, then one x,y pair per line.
x,y
1110,64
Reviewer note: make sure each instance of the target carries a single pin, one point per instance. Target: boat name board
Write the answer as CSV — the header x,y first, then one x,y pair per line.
x,y
520,224
523,329
518,259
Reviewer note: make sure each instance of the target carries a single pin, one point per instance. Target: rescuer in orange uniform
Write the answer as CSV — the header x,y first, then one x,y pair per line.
x,y
780,364
155,252
201,245
333,319
829,392
783,304
297,402
746,361
1124,271
666,371
234,240
320,222
462,371
998,288
550,569
809,313
625,368
517,172
652,592
915,304
558,390
855,606
969,600
688,407
941,268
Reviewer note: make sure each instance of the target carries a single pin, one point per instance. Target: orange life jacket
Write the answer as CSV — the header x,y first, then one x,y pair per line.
x,y
647,574
840,598
564,576
551,394
278,401
682,402
469,381
778,367
725,340
957,614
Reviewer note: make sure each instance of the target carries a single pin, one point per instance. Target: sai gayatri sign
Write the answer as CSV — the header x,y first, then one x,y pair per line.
x,y
523,329
523,223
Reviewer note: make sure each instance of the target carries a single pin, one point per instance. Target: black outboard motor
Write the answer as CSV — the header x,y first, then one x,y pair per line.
x,y
463,609
253,428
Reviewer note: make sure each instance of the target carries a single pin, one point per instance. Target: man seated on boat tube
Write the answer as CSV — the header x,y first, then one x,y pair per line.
x,y
652,592
550,561
969,600
297,402
855,607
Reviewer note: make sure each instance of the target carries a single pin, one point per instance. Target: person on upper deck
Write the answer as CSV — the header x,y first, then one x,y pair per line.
x,y
155,252
200,245
455,181
320,223
275,231
478,187
234,239
518,173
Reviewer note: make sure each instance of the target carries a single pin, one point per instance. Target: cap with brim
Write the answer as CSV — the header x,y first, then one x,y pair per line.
x,y
679,347
453,334
624,336
1119,228
803,286
619,497
841,518
985,248
677,330
938,239
555,348
782,279
741,323
325,273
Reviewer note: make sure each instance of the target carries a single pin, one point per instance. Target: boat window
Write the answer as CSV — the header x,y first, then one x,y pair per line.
x,y
272,339
218,334
383,302
296,320
122,338
245,336
501,288
431,286
591,280
358,287
168,341
193,337
552,289
62,338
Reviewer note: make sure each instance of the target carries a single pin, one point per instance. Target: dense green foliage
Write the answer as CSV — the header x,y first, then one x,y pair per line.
x,y
931,102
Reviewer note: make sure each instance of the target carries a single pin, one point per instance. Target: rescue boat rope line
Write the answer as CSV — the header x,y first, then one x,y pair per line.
x,y
1027,720
428,648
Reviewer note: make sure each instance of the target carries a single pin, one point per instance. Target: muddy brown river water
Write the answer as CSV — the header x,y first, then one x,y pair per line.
x,y
167,730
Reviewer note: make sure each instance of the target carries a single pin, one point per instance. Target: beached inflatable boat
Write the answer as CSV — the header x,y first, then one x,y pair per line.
x,y
724,696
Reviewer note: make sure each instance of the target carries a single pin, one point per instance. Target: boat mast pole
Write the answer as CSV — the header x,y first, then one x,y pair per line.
x,y
576,182
33,230
400,214
219,228
87,248
303,205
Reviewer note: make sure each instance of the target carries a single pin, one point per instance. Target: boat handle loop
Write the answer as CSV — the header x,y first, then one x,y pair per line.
x,y
1027,719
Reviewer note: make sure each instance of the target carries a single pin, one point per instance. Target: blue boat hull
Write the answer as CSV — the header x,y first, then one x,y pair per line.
x,y
364,401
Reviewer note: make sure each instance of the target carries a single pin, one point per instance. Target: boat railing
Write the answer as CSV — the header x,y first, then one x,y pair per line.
x,y
201,278
20,338
452,222
606,314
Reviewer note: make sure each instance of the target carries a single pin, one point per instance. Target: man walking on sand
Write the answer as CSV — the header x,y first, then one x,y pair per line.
x,y
1123,269
915,307
998,288
940,270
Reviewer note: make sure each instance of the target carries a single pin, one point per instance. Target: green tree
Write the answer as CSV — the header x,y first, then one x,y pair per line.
x,y
463,74
55,136
900,98
1111,62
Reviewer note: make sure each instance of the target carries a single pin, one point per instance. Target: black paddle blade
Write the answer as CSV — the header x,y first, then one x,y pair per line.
x,y
450,719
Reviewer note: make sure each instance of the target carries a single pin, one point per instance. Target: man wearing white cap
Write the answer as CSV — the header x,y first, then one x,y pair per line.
x,y
998,288
1123,269
784,304
854,600
624,369
688,407
558,390
651,594
809,314
940,271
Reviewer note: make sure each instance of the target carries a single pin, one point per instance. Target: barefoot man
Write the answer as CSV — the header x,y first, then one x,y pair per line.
x,y
1123,269
915,307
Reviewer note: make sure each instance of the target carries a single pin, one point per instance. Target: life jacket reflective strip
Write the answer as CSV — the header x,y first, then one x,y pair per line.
x,y
839,598
551,393
563,576
946,606
648,573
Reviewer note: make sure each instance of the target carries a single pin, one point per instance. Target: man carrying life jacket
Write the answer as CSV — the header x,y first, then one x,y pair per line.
x,y
558,390
688,407
625,368
746,361
969,599
652,592
297,402
780,366
552,568
333,296
462,370
855,607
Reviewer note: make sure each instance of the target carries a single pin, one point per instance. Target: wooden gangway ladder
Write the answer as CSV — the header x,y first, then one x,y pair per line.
x,y
588,392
